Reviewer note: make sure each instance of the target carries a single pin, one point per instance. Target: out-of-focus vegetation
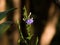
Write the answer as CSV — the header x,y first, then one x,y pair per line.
x,y
4,26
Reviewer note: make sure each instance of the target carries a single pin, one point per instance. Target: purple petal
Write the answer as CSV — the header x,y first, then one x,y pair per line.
x,y
29,21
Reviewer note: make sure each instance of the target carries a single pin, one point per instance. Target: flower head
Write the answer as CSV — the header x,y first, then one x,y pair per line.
x,y
30,21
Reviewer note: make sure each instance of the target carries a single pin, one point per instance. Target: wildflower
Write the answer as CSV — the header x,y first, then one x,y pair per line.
x,y
30,21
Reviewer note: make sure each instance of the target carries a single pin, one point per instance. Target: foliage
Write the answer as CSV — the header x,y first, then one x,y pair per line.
x,y
28,20
6,25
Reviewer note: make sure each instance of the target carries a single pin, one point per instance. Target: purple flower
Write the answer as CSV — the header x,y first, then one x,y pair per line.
x,y
29,21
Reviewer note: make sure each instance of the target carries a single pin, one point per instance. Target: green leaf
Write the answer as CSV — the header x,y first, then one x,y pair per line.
x,y
19,41
4,14
25,12
4,27
36,40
